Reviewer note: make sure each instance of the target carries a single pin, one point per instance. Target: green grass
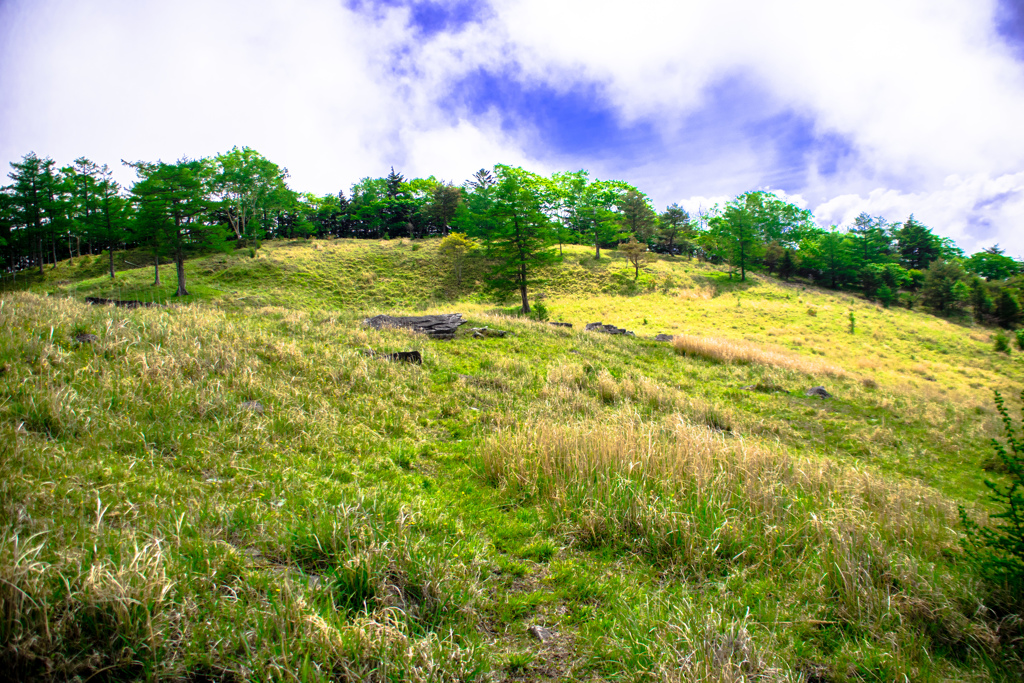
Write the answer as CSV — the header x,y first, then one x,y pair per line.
x,y
668,516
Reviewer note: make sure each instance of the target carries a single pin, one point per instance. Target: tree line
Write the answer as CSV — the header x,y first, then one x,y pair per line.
x,y
239,198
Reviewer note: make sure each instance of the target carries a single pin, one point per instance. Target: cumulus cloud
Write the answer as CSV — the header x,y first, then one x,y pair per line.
x,y
889,106
332,93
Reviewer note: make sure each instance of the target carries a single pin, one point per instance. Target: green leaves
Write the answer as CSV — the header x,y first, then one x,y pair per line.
x,y
998,548
521,236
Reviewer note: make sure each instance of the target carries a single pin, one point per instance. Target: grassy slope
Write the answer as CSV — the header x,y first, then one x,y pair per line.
x,y
380,519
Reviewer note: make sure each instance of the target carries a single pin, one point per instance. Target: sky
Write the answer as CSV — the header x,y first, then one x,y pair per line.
x,y
891,107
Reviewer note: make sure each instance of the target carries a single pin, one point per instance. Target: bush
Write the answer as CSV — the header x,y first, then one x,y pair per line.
x,y
1001,342
539,311
1020,339
998,547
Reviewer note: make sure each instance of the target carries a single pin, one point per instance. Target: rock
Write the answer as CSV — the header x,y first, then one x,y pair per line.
x,y
252,406
540,633
765,387
441,326
483,332
664,337
86,338
120,304
400,356
608,329
818,391
561,324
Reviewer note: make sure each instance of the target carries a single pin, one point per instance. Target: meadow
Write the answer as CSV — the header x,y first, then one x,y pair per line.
x,y
228,487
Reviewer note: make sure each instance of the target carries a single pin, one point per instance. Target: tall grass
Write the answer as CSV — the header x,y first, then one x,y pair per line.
x,y
736,351
874,553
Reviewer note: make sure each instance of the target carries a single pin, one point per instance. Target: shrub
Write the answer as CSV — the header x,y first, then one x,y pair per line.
x,y
1001,342
539,311
998,547
1020,338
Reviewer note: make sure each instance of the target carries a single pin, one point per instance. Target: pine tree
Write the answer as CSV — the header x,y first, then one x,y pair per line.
x,y
1007,309
520,237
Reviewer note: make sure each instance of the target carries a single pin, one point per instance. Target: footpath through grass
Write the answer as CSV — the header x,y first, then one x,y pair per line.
x,y
231,489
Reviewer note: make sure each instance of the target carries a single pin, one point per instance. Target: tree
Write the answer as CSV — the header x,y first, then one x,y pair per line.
x,y
249,185
772,255
482,180
585,207
981,301
32,200
876,276
444,203
521,234
674,224
751,220
738,234
636,253
992,264
830,253
1007,309
787,266
175,199
939,290
453,250
638,218
918,245
871,238
101,211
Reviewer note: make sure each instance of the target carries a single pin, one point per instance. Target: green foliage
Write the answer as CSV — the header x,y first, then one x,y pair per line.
x,y
998,547
453,251
981,301
787,266
250,185
918,245
1008,309
992,264
636,254
539,311
519,242
1019,334
944,290
1001,343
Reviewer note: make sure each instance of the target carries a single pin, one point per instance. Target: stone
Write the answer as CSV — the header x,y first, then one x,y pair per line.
x,y
608,329
86,338
484,332
540,633
818,391
569,325
441,326
252,406
97,301
400,356
664,337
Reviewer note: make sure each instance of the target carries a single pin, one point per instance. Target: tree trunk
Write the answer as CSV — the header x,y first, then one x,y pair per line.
x,y
156,269
111,261
180,263
41,272
53,245
522,287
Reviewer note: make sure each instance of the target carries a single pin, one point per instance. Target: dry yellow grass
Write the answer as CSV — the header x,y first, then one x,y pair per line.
x,y
737,351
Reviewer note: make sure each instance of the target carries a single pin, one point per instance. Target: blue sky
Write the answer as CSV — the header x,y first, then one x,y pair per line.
x,y
890,107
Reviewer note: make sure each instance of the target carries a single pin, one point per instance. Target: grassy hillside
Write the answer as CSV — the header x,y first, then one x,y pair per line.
x,y
229,488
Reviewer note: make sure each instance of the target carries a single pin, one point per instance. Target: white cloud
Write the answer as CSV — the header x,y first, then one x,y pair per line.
x,y
311,85
920,91
977,211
